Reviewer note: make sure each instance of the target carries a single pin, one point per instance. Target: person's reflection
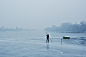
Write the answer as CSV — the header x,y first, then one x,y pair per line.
x,y
47,46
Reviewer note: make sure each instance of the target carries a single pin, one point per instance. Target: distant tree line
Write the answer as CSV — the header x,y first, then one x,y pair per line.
x,y
68,28
15,29
10,29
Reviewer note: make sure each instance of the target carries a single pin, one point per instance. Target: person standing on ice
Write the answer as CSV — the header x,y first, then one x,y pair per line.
x,y
47,38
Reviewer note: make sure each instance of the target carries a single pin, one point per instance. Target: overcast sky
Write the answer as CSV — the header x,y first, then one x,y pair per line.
x,y
40,14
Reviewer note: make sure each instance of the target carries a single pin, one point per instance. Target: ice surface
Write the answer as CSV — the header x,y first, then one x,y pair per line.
x,y
37,47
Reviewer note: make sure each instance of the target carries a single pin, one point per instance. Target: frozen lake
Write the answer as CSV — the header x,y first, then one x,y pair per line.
x,y
33,44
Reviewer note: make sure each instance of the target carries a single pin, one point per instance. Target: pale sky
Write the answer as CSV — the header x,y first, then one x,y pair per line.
x,y
40,14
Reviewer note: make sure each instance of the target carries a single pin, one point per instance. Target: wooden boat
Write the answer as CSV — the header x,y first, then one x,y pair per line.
x,y
66,37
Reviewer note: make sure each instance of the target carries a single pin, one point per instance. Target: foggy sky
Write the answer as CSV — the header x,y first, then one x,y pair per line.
x,y
40,14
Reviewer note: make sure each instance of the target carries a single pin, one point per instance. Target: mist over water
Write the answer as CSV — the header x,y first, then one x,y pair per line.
x,y
76,38
38,33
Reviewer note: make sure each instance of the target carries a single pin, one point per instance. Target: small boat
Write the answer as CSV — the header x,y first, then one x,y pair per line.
x,y
66,37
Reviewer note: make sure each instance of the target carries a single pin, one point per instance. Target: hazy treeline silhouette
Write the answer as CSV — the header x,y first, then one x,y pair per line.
x,y
15,29
68,27
10,29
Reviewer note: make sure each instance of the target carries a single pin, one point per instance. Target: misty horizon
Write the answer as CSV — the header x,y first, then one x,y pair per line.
x,y
68,28
52,27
